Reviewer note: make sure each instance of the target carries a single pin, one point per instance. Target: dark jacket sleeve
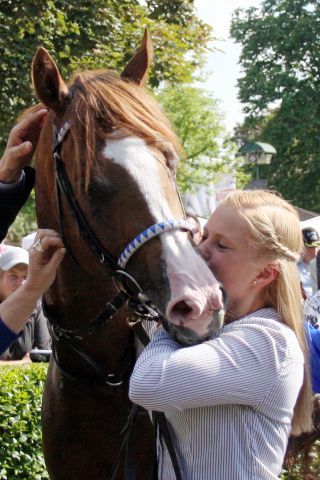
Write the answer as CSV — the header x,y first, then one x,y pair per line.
x,y
12,198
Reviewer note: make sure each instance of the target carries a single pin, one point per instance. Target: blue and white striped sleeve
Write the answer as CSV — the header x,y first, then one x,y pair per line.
x,y
239,367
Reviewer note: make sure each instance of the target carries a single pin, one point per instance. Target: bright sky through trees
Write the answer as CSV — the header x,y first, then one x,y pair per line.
x,y
223,65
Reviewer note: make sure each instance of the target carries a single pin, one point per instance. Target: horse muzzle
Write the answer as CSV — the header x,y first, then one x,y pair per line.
x,y
189,323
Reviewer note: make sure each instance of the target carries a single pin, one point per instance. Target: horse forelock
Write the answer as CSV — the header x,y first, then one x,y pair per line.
x,y
102,103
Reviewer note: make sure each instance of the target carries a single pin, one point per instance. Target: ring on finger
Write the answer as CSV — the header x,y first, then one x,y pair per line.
x,y
38,245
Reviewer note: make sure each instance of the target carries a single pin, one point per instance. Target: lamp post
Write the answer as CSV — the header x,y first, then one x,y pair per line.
x,y
257,153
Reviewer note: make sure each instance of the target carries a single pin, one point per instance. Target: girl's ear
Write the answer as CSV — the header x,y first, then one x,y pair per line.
x,y
267,275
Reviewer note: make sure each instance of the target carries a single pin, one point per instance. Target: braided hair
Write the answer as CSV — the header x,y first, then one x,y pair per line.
x,y
275,235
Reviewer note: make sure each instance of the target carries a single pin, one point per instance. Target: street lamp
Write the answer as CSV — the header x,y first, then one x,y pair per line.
x,y
257,153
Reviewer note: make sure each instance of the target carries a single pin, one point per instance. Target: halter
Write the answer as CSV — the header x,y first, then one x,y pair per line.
x,y
129,290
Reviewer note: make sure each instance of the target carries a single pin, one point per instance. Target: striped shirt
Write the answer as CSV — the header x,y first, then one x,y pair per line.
x,y
228,402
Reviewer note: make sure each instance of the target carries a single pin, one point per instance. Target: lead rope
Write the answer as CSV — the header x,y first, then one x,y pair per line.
x,y
160,430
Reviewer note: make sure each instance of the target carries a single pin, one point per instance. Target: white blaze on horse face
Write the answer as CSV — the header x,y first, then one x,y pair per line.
x,y
195,292
132,154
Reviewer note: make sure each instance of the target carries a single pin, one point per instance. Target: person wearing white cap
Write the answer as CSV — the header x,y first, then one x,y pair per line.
x,y
13,256
14,263
21,286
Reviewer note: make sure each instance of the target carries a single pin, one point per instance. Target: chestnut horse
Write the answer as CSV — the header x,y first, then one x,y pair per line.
x,y
105,179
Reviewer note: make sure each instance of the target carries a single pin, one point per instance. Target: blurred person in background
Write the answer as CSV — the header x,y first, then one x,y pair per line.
x,y
21,293
311,241
14,263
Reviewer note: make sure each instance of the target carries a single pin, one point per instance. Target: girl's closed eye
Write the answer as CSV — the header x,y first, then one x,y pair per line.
x,y
221,245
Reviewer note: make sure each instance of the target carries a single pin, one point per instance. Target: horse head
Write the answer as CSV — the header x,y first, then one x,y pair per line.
x,y
120,155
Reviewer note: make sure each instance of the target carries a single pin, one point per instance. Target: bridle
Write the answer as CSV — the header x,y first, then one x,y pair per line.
x,y
129,290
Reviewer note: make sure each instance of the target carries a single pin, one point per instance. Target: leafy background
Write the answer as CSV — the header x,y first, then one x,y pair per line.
x,y
280,90
21,390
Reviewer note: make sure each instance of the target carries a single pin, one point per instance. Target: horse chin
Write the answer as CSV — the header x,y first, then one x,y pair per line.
x,y
187,336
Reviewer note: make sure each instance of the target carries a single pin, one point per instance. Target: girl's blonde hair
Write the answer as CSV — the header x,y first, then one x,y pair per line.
x,y
275,234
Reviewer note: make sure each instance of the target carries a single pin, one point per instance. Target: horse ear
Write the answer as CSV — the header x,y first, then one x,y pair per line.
x,y
50,88
137,68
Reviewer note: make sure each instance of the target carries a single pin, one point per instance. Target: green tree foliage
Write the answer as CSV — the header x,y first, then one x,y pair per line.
x,y
92,34
198,123
281,91
24,224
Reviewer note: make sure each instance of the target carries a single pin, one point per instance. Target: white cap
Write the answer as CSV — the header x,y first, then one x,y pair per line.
x,y
12,256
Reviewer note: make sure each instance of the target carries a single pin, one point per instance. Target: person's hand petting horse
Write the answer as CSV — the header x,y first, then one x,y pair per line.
x,y
46,255
21,145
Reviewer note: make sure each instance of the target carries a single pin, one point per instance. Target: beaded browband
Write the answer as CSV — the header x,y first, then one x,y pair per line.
x,y
150,233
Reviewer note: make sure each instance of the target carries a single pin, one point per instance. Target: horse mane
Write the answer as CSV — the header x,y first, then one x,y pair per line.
x,y
102,102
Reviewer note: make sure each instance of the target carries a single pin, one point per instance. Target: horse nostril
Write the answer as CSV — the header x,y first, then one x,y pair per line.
x,y
181,309
184,309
